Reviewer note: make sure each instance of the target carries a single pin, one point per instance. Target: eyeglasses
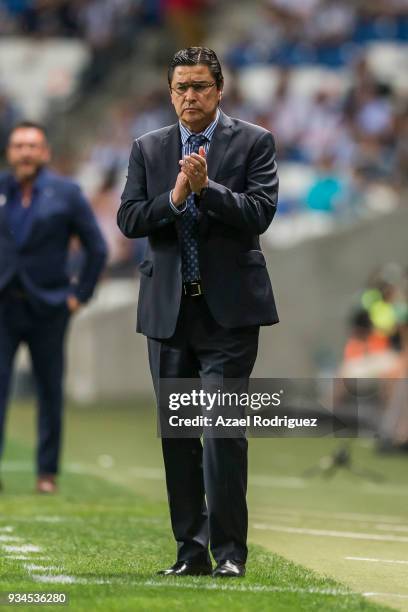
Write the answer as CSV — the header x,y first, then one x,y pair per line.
x,y
200,88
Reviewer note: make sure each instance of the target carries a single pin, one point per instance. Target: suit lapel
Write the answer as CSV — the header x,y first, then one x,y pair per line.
x,y
171,155
219,145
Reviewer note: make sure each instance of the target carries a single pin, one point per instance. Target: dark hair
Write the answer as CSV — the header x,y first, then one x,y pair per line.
x,y
29,124
193,56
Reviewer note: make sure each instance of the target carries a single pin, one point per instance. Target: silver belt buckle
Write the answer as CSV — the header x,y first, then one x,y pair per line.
x,y
199,292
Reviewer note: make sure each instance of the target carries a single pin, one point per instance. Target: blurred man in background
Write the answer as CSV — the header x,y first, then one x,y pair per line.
x,y
204,291
39,213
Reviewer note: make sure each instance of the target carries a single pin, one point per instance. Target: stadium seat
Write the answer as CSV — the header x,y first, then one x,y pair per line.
x,y
47,69
308,80
389,63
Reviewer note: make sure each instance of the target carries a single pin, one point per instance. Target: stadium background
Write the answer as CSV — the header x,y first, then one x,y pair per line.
x,y
330,80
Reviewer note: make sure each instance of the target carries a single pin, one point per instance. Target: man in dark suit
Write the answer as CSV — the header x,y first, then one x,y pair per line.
x,y
203,191
39,213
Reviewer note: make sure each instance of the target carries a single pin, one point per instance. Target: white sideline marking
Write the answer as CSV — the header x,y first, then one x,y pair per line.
x,y
32,567
6,538
35,568
48,519
373,560
55,579
330,533
63,579
385,595
244,587
25,558
25,548
392,527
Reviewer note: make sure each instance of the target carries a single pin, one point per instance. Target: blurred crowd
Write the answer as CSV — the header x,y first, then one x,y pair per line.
x,y
103,23
292,32
108,27
99,22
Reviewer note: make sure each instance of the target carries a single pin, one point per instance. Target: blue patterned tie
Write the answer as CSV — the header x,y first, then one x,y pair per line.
x,y
189,244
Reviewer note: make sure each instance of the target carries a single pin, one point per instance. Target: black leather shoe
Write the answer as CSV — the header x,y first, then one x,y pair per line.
x,y
229,569
187,568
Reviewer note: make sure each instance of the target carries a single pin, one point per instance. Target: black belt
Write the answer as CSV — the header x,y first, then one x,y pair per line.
x,y
192,289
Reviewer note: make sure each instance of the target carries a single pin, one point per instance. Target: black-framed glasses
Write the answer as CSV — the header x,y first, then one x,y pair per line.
x,y
201,88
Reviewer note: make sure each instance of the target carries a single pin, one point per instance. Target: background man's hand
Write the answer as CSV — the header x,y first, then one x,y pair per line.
x,y
181,190
73,304
194,166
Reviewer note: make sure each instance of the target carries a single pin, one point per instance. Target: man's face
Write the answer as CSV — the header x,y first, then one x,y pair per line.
x,y
196,109
27,152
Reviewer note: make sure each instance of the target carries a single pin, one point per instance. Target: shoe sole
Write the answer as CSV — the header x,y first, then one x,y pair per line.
x,y
203,573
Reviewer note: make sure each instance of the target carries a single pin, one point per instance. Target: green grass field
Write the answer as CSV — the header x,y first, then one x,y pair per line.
x,y
322,545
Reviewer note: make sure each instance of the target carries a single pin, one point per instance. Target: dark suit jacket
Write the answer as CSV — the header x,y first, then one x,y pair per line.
x,y
60,211
238,206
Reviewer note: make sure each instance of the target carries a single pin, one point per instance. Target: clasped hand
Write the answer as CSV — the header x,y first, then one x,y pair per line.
x,y
192,178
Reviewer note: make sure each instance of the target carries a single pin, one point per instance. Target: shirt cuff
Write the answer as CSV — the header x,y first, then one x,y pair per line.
x,y
175,209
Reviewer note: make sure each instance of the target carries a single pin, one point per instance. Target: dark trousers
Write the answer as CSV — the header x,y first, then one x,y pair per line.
x,y
43,330
206,482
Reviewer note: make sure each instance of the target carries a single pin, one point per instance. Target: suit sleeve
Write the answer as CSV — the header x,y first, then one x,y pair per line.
x,y
139,215
85,226
253,210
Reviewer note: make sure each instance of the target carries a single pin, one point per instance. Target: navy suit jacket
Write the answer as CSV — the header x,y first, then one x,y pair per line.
x,y
237,207
40,261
